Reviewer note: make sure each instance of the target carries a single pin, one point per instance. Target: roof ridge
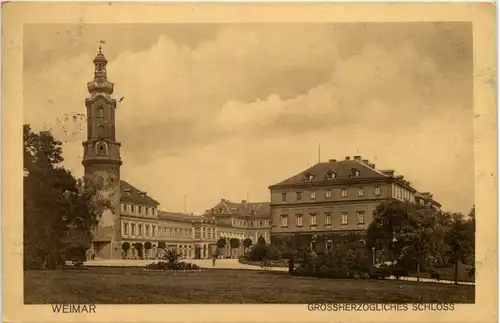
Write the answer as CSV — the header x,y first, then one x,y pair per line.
x,y
372,169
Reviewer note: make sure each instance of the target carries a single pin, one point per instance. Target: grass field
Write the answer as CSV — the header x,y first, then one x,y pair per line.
x,y
136,286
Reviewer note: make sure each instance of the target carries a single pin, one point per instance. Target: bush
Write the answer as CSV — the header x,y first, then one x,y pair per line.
x,y
272,253
345,261
164,265
77,255
172,262
257,253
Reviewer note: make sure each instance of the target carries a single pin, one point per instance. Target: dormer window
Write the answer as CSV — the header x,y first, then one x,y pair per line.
x,y
308,177
354,173
330,175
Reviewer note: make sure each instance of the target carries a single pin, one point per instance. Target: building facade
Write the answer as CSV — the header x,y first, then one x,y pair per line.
x,y
333,199
241,221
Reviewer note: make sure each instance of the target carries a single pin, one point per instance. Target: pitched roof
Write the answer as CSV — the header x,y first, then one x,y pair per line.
x,y
243,208
177,216
130,193
342,170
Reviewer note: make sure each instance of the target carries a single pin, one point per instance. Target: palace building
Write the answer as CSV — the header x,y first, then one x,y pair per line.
x,y
132,226
335,199
241,221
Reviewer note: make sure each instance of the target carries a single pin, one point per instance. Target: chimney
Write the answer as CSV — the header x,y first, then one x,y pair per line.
x,y
366,162
347,157
332,160
358,158
243,201
388,172
372,166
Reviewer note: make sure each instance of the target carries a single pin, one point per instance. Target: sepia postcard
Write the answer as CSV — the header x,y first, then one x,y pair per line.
x,y
249,162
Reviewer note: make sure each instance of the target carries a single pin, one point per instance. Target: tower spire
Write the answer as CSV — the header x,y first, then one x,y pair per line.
x,y
100,43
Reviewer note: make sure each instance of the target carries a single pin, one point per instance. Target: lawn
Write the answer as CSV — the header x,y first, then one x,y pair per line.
x,y
136,286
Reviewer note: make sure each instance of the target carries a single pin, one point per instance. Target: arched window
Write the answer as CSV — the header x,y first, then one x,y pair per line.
x,y
101,148
100,111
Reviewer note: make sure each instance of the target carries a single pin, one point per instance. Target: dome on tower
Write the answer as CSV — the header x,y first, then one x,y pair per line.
x,y
100,84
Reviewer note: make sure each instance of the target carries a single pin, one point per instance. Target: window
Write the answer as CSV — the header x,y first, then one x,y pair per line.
x,y
344,192
132,208
360,215
329,245
140,230
360,192
203,233
377,190
343,218
139,209
133,229
175,233
261,224
328,218
284,221
126,228
124,208
100,112
328,194
313,195
312,217
330,175
309,177
147,230
101,148
299,196
283,196
354,173
299,220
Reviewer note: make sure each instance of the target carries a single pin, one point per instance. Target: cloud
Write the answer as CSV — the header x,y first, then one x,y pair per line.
x,y
247,106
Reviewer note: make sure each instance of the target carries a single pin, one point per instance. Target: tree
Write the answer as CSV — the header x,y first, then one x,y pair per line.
x,y
221,243
138,246
162,245
261,241
234,243
125,248
59,212
389,218
410,233
247,243
459,240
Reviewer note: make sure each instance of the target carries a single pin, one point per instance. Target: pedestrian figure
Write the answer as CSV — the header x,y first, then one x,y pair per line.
x,y
213,260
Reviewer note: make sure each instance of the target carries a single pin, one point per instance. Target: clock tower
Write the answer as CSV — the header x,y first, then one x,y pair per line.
x,y
101,160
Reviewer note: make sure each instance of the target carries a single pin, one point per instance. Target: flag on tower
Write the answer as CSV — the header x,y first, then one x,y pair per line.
x,y
102,42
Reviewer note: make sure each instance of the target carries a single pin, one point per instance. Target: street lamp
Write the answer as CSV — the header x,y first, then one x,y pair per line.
x,y
394,240
373,255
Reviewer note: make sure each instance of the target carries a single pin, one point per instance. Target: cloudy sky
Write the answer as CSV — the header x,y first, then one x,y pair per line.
x,y
216,111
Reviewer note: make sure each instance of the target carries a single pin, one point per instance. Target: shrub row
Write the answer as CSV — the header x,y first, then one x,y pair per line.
x,y
343,261
164,265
